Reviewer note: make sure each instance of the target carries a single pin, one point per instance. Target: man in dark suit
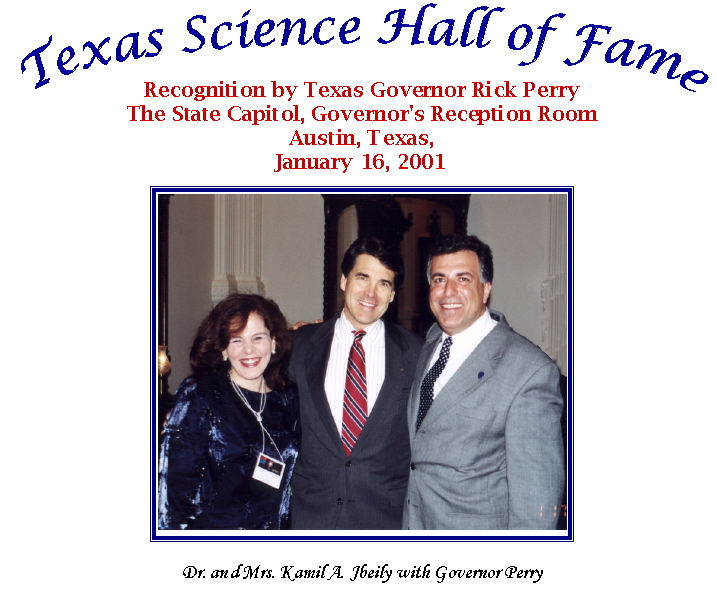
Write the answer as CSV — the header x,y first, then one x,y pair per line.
x,y
484,411
354,374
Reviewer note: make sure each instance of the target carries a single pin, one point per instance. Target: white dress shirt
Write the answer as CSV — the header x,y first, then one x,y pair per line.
x,y
374,345
463,345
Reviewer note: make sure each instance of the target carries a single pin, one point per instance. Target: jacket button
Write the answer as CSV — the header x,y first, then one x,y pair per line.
x,y
339,501
413,466
348,463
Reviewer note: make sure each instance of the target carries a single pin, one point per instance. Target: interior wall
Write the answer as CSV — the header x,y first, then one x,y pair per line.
x,y
190,274
292,261
516,227
292,251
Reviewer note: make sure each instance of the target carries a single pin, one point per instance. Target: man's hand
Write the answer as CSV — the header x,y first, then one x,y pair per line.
x,y
301,323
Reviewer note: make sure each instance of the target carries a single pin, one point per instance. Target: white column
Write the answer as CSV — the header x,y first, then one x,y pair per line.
x,y
554,289
237,245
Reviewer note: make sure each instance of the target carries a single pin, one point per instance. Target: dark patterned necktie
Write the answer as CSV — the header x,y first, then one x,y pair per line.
x,y
430,379
355,395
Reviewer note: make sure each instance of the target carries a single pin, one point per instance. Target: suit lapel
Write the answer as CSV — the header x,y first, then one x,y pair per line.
x,y
317,359
472,374
432,339
390,392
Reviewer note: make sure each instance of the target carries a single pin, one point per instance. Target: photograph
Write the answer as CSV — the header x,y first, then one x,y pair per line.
x,y
416,266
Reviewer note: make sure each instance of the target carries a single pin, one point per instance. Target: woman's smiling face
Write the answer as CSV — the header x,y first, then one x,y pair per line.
x,y
249,353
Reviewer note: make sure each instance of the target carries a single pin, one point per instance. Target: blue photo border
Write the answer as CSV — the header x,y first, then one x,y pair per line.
x,y
154,193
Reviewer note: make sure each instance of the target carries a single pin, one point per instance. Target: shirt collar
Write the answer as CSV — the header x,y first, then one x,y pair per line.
x,y
373,331
474,332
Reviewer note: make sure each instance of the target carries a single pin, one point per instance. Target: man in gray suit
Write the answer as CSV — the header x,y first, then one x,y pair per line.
x,y
484,410
354,374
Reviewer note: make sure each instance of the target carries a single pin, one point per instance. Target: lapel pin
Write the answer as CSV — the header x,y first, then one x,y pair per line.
x,y
481,374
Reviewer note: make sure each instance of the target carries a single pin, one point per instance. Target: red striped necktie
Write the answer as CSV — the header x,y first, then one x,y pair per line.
x,y
355,395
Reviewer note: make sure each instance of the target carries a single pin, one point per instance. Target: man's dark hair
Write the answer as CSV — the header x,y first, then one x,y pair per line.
x,y
388,256
454,243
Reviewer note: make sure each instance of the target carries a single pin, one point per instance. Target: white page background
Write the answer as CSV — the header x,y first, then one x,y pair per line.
x,y
76,252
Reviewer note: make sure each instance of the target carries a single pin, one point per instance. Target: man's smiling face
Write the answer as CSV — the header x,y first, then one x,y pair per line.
x,y
368,289
457,295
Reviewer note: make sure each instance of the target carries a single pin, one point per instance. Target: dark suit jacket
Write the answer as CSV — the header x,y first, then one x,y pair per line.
x,y
365,491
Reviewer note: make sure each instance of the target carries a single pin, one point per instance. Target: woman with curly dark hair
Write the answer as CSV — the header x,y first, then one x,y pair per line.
x,y
230,443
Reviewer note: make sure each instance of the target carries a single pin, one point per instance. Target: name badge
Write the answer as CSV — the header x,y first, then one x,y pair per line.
x,y
268,470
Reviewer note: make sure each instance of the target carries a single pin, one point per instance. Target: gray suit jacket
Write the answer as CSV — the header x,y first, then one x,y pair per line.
x,y
365,491
489,453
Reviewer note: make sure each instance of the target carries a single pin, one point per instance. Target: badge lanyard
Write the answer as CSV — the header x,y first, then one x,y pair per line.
x,y
267,469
